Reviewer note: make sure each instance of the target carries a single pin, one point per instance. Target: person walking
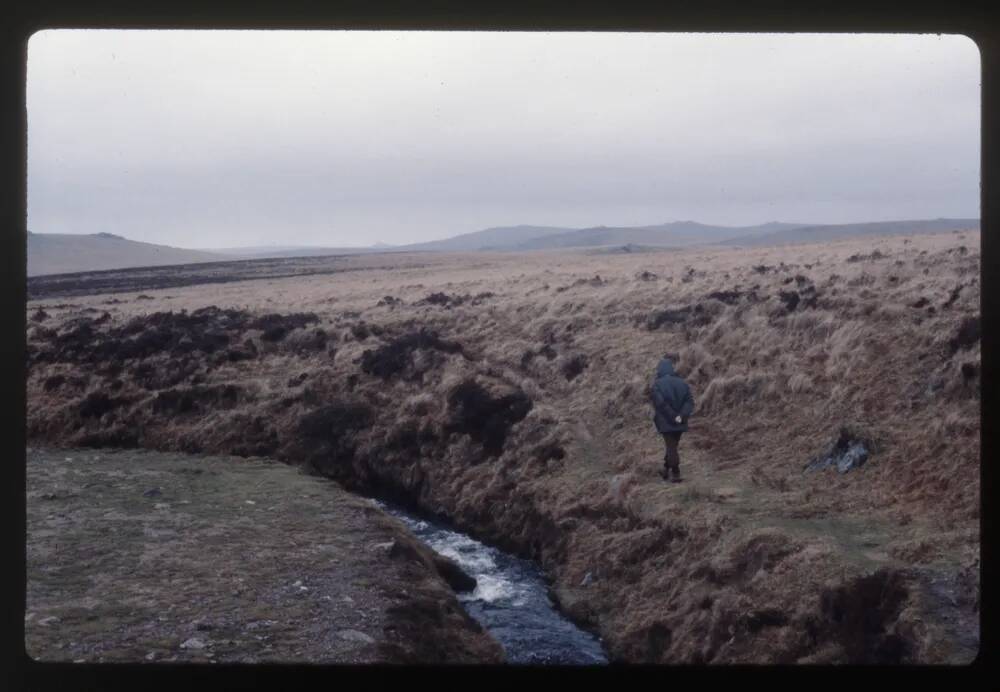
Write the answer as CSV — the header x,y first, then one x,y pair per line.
x,y
673,405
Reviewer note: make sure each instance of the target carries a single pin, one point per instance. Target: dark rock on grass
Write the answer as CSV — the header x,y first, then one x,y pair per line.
x,y
297,380
849,451
143,296
396,357
920,303
646,276
574,366
763,268
487,420
39,315
967,335
389,301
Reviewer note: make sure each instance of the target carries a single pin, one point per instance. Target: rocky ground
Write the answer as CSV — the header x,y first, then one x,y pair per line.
x,y
139,556
508,393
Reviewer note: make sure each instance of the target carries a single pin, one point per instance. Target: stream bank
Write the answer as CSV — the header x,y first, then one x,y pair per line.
x,y
510,600
139,556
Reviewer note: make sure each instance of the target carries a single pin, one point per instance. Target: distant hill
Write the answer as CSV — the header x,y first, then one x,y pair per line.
x,y
817,234
279,251
674,234
63,253
499,238
626,249
50,253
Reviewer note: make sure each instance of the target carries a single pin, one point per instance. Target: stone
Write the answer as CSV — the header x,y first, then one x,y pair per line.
x,y
355,636
384,547
193,643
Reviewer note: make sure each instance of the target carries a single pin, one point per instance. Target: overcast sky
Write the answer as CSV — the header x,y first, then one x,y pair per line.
x,y
215,139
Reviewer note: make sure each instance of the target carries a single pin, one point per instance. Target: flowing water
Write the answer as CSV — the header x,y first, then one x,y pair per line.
x,y
510,600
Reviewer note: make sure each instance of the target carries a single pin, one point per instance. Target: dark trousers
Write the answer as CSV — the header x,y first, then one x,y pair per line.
x,y
671,460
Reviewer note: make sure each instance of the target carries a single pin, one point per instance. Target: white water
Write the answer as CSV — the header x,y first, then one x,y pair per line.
x,y
510,600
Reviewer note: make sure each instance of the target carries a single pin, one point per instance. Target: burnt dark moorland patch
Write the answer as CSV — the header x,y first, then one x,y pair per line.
x,y
175,276
396,357
484,418
692,316
450,300
207,330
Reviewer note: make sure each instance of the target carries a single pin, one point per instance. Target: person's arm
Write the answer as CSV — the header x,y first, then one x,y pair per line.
x,y
687,408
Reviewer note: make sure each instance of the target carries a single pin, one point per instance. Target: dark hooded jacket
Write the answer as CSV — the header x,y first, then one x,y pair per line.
x,y
671,398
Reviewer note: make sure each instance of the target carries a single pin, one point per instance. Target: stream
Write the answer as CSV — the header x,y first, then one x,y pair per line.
x,y
511,599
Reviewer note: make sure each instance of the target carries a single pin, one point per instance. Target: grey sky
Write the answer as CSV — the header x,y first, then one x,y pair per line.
x,y
213,139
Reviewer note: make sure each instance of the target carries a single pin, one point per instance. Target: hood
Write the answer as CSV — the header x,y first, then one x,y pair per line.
x,y
666,367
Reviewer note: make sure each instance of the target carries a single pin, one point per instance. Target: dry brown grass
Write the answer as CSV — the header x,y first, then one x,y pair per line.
x,y
772,384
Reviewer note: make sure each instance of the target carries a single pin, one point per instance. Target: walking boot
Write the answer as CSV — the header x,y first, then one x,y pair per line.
x,y
675,475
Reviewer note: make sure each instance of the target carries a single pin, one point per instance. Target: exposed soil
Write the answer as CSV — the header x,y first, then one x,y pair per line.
x,y
524,419
150,556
